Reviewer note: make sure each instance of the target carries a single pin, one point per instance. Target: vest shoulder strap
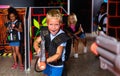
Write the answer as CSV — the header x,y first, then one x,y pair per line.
x,y
102,19
60,39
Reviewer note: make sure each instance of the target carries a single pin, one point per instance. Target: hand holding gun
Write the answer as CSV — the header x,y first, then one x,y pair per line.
x,y
42,57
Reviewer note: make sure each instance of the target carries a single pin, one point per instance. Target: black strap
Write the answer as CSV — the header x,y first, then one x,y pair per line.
x,y
60,39
101,21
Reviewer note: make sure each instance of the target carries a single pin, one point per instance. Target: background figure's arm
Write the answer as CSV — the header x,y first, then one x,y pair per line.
x,y
80,30
19,28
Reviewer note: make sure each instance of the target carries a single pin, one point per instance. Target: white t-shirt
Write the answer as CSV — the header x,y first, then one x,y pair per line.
x,y
62,44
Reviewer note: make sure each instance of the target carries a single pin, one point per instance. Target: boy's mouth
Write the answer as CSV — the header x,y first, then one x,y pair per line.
x,y
53,30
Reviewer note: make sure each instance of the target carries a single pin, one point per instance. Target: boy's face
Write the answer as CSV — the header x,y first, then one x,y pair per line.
x,y
53,25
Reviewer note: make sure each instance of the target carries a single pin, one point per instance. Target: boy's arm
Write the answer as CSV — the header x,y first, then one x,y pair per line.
x,y
36,44
56,56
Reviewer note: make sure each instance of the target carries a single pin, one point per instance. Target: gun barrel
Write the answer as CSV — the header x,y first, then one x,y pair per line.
x,y
108,44
109,50
106,54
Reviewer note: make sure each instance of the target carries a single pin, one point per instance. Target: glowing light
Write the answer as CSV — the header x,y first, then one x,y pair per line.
x,y
93,48
4,6
106,1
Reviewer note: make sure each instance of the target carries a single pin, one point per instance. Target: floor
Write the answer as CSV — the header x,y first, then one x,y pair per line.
x,y
86,65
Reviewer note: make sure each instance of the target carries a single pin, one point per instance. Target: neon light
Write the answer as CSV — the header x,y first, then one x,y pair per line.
x,y
106,1
4,6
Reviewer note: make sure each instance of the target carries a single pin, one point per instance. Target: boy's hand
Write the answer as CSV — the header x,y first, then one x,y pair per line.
x,y
41,65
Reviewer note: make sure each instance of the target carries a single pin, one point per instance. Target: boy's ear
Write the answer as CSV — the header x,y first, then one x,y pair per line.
x,y
61,23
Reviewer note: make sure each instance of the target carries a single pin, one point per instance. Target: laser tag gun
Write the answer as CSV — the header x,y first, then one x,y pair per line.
x,y
108,49
41,60
42,57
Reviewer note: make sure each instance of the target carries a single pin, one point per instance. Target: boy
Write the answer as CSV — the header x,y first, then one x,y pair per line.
x,y
55,42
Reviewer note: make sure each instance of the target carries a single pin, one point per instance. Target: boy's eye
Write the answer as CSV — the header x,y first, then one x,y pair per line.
x,y
57,24
54,24
51,24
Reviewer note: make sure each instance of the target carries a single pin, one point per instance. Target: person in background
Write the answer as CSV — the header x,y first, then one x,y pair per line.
x,y
55,43
14,29
101,18
76,32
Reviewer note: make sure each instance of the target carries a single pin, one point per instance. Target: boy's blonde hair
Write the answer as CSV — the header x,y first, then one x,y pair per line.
x,y
54,13
74,16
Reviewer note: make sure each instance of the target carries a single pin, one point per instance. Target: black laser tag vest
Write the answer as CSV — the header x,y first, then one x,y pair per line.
x,y
100,23
13,35
51,46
